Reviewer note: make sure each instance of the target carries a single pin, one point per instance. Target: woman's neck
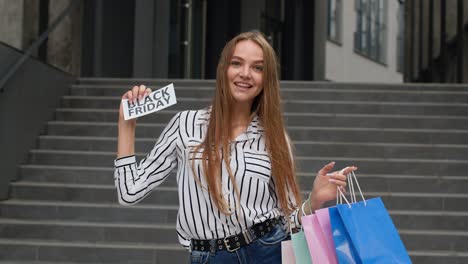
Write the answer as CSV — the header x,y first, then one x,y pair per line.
x,y
240,116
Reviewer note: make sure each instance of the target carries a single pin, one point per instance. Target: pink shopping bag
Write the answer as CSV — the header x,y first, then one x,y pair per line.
x,y
323,218
287,252
319,250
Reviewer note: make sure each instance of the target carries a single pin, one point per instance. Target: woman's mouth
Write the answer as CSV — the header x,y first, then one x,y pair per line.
x,y
243,85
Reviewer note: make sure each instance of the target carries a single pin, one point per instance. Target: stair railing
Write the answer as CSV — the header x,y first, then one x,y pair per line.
x,y
14,68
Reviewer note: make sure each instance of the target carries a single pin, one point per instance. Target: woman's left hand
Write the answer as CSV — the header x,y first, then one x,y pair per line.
x,y
325,184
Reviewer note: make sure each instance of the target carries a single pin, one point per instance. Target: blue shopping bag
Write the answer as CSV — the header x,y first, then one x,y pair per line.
x,y
345,251
372,232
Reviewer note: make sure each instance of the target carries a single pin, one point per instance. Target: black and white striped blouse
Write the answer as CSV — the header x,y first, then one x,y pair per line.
x,y
198,217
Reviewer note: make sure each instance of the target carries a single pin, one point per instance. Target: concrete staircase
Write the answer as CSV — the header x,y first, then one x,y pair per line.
x,y
409,141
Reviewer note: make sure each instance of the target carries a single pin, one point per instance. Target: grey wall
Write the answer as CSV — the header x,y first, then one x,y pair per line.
x,y
11,23
29,100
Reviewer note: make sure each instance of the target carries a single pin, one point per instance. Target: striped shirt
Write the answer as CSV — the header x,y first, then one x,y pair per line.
x,y
198,217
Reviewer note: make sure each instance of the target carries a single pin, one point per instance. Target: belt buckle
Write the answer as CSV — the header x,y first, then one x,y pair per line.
x,y
228,246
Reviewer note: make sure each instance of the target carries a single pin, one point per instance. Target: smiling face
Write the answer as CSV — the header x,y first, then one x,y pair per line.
x,y
245,72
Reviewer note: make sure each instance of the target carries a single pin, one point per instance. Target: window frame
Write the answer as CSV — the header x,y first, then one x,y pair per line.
x,y
370,35
334,18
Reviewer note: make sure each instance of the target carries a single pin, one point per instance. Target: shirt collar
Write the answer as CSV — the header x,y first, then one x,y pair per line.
x,y
252,131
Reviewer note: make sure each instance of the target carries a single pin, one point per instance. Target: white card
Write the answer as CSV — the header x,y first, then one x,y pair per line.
x,y
151,103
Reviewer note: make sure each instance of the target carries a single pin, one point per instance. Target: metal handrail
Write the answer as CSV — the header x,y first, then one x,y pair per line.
x,y
14,68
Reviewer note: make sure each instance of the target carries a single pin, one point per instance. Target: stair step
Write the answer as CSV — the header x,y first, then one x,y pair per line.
x,y
110,104
166,214
79,231
331,106
284,84
113,102
306,163
435,240
65,252
325,92
374,182
24,252
168,196
318,119
302,148
438,256
300,133
88,212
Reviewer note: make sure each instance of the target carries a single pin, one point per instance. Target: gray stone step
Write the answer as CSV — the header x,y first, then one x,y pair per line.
x,y
168,196
427,219
292,118
283,84
435,240
307,163
299,133
314,119
372,182
307,106
153,234
44,251
79,231
166,214
302,148
52,251
88,212
327,94
317,106
287,88
438,256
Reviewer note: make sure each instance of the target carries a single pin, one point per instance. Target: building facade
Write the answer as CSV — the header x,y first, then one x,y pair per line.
x,y
334,40
436,41
364,41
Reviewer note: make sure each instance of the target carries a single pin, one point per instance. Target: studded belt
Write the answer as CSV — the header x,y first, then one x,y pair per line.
x,y
233,243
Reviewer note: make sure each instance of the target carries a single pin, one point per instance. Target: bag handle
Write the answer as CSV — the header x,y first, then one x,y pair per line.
x,y
351,177
341,195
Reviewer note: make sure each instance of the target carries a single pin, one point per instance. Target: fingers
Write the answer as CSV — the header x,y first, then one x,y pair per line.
x,y
147,91
136,93
338,182
326,169
348,170
339,177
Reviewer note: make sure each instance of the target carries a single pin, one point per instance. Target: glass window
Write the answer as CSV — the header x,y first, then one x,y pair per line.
x,y
371,28
334,20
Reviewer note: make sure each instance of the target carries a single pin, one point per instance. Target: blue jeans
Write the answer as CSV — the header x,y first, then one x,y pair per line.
x,y
266,249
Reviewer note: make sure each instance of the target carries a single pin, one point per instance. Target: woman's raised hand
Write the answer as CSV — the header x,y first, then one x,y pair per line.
x,y
137,92
326,183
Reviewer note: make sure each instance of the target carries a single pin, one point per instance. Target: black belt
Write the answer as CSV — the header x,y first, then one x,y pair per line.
x,y
233,243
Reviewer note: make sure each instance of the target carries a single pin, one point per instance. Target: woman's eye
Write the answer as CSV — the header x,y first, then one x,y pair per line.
x,y
258,68
235,63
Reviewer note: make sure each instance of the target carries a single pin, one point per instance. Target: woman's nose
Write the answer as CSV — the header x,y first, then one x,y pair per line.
x,y
245,72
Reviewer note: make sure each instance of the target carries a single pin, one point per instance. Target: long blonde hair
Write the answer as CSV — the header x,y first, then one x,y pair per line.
x,y
267,105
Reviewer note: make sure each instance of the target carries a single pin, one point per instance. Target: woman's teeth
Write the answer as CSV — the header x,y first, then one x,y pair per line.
x,y
243,85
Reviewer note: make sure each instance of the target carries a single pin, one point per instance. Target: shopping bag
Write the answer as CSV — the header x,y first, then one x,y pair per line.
x,y
372,232
323,219
318,247
287,252
344,249
300,247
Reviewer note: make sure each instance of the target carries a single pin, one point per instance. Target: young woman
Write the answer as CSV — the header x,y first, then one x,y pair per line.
x,y
235,170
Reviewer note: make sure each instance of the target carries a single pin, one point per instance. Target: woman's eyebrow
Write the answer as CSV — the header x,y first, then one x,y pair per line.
x,y
239,58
